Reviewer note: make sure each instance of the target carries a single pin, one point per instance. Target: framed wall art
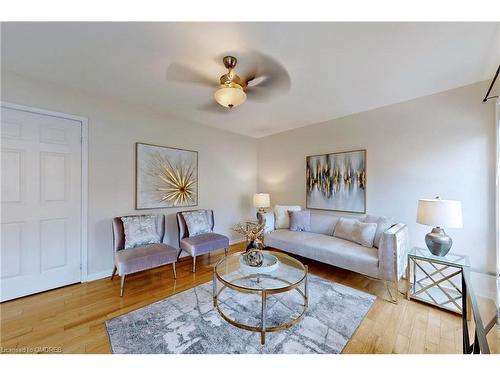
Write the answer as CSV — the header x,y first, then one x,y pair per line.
x,y
337,181
165,177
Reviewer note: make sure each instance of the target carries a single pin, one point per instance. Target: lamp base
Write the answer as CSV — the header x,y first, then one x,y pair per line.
x,y
438,242
259,212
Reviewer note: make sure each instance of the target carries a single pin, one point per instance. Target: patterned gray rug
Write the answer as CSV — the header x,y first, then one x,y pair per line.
x,y
188,323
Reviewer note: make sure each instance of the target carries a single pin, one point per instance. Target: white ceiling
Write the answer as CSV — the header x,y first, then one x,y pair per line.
x,y
336,69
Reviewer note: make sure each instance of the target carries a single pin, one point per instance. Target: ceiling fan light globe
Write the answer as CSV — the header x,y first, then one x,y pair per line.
x,y
230,95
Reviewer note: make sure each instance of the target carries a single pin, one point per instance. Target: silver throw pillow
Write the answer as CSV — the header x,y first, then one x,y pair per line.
x,y
383,224
197,222
140,230
355,231
300,221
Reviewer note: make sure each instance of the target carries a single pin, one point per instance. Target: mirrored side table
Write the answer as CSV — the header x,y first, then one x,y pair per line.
x,y
437,280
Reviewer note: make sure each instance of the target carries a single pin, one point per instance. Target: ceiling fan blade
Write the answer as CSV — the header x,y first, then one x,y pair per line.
x,y
267,73
213,107
259,94
184,74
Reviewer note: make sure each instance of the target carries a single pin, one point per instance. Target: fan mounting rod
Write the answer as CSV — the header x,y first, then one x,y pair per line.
x,y
229,62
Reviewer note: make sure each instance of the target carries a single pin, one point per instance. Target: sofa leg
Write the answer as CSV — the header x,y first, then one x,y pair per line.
x,y
194,264
114,272
225,251
173,269
122,285
395,286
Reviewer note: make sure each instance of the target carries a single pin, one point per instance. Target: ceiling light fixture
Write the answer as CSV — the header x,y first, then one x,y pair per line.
x,y
230,95
231,92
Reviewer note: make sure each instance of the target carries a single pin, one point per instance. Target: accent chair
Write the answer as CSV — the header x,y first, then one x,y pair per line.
x,y
202,243
141,258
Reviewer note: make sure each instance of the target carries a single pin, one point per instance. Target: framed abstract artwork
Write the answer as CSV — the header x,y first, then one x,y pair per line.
x,y
165,177
337,181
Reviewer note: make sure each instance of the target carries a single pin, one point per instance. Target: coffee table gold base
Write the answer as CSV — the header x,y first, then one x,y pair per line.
x,y
263,328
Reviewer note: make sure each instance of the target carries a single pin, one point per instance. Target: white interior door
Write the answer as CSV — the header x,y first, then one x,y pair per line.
x,y
41,202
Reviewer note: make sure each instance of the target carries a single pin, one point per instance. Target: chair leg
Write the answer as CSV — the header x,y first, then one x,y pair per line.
x,y
194,263
173,269
122,285
114,273
179,254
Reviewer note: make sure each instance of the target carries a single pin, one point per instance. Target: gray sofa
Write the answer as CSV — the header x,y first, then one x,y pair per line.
x,y
387,262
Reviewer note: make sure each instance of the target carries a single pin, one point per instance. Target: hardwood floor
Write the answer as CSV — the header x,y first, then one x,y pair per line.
x,y
72,318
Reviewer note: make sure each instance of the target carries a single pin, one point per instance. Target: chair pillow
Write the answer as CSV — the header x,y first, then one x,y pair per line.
x,y
300,221
383,224
268,219
282,220
197,222
355,231
140,230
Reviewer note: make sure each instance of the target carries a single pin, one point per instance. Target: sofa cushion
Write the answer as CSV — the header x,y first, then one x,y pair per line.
x,y
204,243
281,218
324,224
356,231
326,249
144,258
383,224
300,220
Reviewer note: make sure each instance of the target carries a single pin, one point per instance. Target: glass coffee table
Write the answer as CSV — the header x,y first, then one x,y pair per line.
x,y
239,280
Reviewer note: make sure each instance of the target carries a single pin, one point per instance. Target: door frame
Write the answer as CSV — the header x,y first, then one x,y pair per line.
x,y
83,121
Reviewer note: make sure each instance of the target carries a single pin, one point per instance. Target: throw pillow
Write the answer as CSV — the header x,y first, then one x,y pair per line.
x,y
268,219
383,223
282,220
355,231
140,230
197,222
300,221
364,233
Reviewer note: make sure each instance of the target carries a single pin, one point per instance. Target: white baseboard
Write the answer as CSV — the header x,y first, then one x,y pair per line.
x,y
237,240
107,273
99,275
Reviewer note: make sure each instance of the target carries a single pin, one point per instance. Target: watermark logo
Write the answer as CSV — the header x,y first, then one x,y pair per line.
x,y
31,350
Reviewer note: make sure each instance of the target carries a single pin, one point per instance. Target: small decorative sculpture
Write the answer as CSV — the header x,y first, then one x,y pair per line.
x,y
254,235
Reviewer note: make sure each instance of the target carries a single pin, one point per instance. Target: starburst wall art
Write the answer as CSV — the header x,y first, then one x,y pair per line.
x,y
165,177
337,181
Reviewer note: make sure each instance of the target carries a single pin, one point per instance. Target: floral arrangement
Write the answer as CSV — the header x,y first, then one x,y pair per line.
x,y
254,234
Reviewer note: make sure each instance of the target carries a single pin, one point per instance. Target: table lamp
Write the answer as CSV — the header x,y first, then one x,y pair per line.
x,y
439,213
261,201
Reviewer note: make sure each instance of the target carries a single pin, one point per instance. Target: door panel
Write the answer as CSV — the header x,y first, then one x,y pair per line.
x,y
12,234
41,202
12,172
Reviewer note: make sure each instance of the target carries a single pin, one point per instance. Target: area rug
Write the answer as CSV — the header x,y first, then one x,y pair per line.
x,y
187,323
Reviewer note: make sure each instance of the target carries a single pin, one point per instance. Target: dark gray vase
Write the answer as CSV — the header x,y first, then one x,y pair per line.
x,y
438,242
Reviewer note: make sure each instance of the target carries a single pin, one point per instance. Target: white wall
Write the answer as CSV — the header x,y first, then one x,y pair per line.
x,y
443,144
226,161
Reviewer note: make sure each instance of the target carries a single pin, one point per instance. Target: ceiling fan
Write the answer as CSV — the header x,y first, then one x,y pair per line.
x,y
261,78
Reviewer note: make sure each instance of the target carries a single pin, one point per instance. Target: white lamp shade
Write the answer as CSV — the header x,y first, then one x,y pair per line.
x,y
261,200
440,213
